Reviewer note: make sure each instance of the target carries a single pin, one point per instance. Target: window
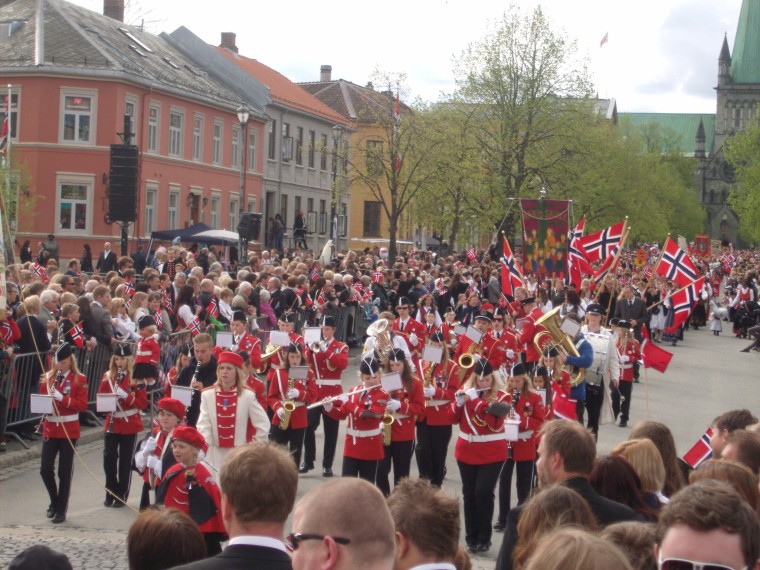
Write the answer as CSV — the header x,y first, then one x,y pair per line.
x,y
232,219
73,197
175,133
323,158
299,145
737,117
78,113
371,219
297,204
130,108
284,209
251,203
272,139
198,139
322,216
217,159
343,220
173,207
154,116
235,147
14,113
251,164
287,143
374,158
312,142
150,210
216,203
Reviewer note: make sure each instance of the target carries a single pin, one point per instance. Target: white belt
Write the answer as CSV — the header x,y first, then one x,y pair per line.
x,y
627,366
364,432
143,353
329,383
125,414
525,434
472,438
399,416
62,419
436,403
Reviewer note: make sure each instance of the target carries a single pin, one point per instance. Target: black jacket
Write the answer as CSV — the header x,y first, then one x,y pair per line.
x,y
206,376
243,557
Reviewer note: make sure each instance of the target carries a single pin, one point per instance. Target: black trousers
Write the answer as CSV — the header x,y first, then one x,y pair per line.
x,y
621,400
363,468
118,451
310,441
580,410
290,438
400,454
594,399
431,450
525,470
478,485
59,494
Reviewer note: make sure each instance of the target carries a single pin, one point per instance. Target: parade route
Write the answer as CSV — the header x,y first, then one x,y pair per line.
x,y
707,376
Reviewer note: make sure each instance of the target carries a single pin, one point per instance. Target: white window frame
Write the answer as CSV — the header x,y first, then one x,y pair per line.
x,y
92,114
232,215
151,207
154,129
253,140
218,137
235,155
132,100
198,138
174,206
72,179
176,133
251,203
13,126
215,209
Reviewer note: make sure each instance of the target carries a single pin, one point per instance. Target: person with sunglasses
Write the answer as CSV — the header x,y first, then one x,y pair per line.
x,y
708,526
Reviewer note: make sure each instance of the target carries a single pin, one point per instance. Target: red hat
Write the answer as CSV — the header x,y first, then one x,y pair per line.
x,y
173,406
487,307
230,358
189,435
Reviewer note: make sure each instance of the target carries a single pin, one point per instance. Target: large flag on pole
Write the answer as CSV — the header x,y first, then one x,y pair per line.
x,y
652,355
675,265
511,274
577,265
683,301
602,244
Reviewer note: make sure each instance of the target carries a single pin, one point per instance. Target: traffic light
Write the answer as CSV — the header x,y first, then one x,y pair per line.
x,y
122,183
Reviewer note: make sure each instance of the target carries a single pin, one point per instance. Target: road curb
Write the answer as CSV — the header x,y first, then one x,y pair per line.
x,y
13,458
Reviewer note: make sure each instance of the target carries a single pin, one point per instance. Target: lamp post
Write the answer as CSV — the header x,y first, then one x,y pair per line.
x,y
243,114
337,137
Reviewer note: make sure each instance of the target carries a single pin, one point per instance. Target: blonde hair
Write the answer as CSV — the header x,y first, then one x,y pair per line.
x,y
575,549
113,369
643,455
240,377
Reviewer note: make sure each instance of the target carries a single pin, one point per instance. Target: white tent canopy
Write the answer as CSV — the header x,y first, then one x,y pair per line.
x,y
222,235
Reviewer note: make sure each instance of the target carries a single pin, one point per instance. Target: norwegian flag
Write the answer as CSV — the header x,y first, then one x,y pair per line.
x,y
4,134
168,307
608,266
564,407
213,307
683,301
6,332
129,288
314,275
602,244
727,260
378,276
40,272
577,264
648,270
472,255
675,265
511,275
195,326
654,356
77,334
159,319
127,304
701,451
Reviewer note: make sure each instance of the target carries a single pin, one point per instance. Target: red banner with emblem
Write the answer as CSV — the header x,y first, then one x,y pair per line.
x,y
702,245
545,228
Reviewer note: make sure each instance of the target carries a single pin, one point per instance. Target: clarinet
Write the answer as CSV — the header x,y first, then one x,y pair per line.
x,y
119,378
195,376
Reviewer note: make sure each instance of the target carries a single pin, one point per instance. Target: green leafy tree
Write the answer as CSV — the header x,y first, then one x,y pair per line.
x,y
743,152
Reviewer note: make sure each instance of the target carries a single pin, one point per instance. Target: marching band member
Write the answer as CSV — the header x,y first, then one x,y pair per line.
x,y
396,340
481,322
227,408
189,487
154,458
529,331
330,361
629,352
243,340
60,430
183,361
254,383
481,450
364,409
122,426
500,344
286,324
412,331
284,389
440,383
529,408
199,374
148,351
542,381
603,370
447,329
405,406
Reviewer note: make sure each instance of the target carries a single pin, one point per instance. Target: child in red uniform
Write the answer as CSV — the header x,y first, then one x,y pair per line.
x,y
154,458
629,351
189,487
148,351
122,426
183,360
60,429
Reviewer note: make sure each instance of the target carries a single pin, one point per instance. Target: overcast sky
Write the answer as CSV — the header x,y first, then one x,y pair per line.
x,y
662,55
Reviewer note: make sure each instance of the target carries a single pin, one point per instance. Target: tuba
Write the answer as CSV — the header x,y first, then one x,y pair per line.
x,y
380,330
552,335
270,351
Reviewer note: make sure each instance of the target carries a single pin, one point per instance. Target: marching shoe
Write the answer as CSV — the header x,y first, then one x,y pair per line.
x,y
59,518
306,467
327,472
50,511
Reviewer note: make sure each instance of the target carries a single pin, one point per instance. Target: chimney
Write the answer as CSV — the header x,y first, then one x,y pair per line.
x,y
325,73
114,9
4,3
228,41
370,86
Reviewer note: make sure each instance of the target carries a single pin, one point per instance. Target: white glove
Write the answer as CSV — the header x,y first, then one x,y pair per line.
x,y
510,353
158,470
460,399
625,358
292,394
394,405
323,346
150,445
414,339
328,407
121,393
343,398
281,413
58,396
429,391
472,393
454,342
152,462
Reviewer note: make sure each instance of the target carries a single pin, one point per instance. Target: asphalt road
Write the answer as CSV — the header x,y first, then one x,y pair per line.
x,y
707,376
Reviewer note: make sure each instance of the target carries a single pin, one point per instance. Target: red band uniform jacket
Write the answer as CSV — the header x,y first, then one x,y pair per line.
x,y
65,419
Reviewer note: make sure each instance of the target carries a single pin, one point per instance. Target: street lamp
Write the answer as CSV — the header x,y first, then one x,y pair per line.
x,y
337,137
243,114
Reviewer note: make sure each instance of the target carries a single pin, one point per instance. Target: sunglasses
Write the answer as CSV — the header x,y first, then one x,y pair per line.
x,y
681,564
296,538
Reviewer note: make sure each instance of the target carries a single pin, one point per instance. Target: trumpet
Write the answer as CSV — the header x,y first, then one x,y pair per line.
x,y
288,406
467,360
317,346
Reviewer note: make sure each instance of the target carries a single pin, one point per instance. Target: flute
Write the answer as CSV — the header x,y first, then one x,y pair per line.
x,y
333,398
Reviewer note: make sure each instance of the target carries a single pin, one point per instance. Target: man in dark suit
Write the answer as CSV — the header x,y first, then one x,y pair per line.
x,y
632,309
566,456
258,482
106,259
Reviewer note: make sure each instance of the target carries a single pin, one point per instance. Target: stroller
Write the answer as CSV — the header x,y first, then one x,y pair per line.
x,y
745,318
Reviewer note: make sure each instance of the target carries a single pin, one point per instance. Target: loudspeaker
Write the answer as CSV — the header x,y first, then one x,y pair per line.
x,y
122,181
250,226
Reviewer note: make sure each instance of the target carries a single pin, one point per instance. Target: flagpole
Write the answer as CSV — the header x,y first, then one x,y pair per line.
x,y
662,252
646,389
614,260
676,292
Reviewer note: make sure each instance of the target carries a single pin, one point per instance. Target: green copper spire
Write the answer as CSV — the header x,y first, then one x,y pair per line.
x,y
745,62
